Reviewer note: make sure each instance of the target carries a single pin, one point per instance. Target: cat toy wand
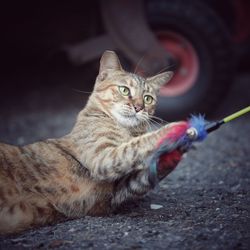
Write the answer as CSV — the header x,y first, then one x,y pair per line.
x,y
210,127
181,137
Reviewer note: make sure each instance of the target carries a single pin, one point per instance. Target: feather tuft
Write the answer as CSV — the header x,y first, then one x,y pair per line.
x,y
199,123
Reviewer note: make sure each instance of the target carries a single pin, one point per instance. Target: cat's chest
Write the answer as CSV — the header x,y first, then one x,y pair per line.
x,y
125,136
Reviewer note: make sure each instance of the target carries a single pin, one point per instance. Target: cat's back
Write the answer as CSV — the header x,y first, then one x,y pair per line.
x,y
9,157
7,149
12,172
25,166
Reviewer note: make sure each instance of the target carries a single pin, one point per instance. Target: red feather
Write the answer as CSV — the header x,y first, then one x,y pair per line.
x,y
174,133
169,161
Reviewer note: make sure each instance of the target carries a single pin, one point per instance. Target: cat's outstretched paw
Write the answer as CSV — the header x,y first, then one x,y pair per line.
x,y
168,152
168,162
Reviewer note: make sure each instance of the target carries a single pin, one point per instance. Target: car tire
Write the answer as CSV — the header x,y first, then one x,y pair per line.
x,y
204,30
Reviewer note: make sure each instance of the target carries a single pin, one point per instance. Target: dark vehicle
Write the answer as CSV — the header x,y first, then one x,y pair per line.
x,y
199,40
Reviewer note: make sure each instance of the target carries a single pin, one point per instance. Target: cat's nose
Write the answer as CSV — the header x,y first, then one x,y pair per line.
x,y
138,107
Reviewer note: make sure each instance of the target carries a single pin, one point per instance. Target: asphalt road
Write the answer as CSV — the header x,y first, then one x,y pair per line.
x,y
204,203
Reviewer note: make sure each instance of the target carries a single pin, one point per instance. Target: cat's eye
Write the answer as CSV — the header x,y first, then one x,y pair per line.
x,y
124,90
148,99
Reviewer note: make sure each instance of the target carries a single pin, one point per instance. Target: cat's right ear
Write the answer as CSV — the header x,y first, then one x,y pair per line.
x,y
108,64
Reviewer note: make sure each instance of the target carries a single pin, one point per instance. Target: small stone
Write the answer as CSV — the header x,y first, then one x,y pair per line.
x,y
155,206
59,243
56,243
20,140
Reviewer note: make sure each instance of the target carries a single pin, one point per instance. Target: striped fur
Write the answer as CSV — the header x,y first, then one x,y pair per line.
x,y
93,169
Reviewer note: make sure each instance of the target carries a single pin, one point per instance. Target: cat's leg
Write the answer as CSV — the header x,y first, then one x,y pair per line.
x,y
114,162
139,183
131,186
15,217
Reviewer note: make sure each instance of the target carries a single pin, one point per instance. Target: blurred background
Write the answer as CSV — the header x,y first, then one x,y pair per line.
x,y
50,53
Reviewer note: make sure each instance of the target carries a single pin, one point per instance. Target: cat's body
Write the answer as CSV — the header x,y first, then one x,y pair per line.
x,y
96,167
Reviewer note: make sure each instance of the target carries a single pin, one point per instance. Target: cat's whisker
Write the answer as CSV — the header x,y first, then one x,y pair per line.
x,y
81,91
145,119
138,64
166,68
158,118
159,121
147,124
155,123
151,126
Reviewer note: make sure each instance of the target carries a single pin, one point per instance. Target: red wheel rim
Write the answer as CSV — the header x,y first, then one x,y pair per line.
x,y
187,72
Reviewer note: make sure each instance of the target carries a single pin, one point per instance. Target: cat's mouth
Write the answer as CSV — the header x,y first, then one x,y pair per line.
x,y
129,116
126,117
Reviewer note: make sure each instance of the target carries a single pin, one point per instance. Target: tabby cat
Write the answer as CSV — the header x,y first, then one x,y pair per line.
x,y
97,166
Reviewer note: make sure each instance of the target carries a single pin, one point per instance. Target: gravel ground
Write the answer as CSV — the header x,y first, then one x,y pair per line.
x,y
203,204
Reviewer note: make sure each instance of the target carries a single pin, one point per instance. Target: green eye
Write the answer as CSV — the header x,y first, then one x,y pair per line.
x,y
124,90
148,99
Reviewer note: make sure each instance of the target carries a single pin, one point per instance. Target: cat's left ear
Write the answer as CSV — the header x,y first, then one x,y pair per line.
x,y
159,80
109,63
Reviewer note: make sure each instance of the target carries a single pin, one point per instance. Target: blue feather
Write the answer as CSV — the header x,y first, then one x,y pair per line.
x,y
199,123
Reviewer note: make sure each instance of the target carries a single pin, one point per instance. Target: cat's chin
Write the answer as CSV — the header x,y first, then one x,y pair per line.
x,y
126,121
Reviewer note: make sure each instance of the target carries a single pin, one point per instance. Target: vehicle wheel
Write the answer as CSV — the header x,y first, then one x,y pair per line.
x,y
196,37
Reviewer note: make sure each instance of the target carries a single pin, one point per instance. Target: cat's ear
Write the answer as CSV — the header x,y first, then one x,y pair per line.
x,y
109,63
159,80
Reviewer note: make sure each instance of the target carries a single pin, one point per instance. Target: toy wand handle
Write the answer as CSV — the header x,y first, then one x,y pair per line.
x,y
215,125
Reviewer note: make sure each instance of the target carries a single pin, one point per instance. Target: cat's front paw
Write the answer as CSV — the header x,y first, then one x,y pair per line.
x,y
173,131
168,162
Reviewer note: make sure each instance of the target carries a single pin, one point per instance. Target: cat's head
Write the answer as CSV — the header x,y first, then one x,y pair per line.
x,y
129,98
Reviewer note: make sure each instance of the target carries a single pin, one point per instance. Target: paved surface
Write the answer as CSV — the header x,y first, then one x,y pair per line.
x,y
205,201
